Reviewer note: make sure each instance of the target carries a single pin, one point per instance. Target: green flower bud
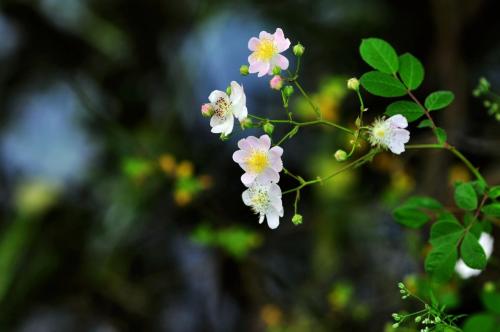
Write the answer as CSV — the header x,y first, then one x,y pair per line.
x,y
228,90
353,84
298,49
246,123
268,128
297,219
244,70
395,325
288,90
340,155
276,70
418,319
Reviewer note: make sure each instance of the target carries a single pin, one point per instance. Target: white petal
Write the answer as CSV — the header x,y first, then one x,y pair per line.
x,y
216,94
486,241
261,218
398,121
273,220
248,179
246,197
265,141
396,147
226,127
236,92
464,271
240,111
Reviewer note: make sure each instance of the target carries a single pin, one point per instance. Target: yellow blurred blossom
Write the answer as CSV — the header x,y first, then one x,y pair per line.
x,y
182,197
271,315
167,163
458,173
184,169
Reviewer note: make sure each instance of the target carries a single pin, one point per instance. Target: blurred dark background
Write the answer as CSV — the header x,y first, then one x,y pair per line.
x,y
120,211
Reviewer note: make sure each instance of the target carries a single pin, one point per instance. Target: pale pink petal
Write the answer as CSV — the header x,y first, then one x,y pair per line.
x,y
265,35
268,175
254,142
279,39
253,61
276,164
398,121
253,43
280,61
276,151
264,69
400,135
244,144
240,156
273,219
248,179
265,142
274,190
396,148
215,95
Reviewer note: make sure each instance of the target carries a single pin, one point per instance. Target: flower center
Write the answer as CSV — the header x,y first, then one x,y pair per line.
x,y
380,133
260,200
257,161
266,50
222,107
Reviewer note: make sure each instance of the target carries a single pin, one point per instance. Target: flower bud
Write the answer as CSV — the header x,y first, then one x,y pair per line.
x,y
288,90
353,84
298,49
276,82
340,155
297,219
228,90
224,137
207,110
246,123
276,70
244,70
268,128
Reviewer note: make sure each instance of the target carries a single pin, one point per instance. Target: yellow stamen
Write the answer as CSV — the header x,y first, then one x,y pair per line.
x,y
257,161
265,50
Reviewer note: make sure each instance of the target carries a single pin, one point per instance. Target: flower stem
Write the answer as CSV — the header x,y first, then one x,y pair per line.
x,y
309,100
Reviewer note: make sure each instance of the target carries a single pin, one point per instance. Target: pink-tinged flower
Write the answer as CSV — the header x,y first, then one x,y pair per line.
x,y
486,241
265,200
276,82
266,52
225,108
260,162
390,134
207,110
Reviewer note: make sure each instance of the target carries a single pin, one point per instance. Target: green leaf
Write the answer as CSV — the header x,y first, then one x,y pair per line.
x,y
382,85
438,100
446,231
412,213
408,109
441,135
441,260
480,323
472,253
425,124
476,228
379,54
494,192
410,216
411,71
465,196
492,209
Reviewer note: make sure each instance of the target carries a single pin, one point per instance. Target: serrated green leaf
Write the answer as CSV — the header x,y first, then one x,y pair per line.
x,y
382,85
465,196
441,135
494,192
411,71
425,124
441,260
492,209
408,109
379,54
480,323
472,253
446,232
438,100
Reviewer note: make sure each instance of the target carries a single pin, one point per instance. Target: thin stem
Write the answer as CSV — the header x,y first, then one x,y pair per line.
x,y
346,167
466,162
302,124
427,113
287,135
309,100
